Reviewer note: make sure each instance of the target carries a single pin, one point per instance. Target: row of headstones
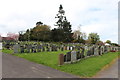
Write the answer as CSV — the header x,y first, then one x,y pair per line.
x,y
28,48
8,45
85,52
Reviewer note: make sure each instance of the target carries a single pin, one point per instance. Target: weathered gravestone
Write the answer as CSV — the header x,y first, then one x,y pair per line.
x,y
96,53
16,48
73,56
86,50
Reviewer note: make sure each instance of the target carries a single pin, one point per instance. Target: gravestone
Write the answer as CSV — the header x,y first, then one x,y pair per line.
x,y
73,56
21,49
61,59
7,45
62,48
71,48
28,48
67,47
34,48
96,51
67,57
0,46
16,48
102,49
86,50
48,49
78,55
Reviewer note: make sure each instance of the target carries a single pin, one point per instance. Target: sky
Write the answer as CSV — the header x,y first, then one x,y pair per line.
x,y
98,16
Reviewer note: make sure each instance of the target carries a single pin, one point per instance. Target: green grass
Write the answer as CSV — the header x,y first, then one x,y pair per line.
x,y
7,51
84,68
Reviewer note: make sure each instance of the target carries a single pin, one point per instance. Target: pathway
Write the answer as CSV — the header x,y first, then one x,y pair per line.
x,y
15,67
109,72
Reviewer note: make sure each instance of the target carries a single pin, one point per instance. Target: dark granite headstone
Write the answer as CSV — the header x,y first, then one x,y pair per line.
x,y
67,57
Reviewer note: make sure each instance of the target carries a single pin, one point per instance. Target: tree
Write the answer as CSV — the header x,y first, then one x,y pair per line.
x,y
21,35
108,41
63,32
76,34
39,23
60,17
79,36
40,33
67,31
57,35
93,38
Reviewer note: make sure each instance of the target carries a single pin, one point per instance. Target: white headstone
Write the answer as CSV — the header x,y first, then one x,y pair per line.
x,y
70,48
0,46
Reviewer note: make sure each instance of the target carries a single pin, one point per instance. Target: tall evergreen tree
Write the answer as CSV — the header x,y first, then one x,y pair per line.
x,y
64,27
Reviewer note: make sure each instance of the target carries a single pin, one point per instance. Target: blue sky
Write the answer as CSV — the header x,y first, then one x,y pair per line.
x,y
100,16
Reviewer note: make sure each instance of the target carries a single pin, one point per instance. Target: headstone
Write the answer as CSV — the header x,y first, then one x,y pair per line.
x,y
67,57
67,47
73,56
28,48
96,51
21,49
7,45
0,46
78,54
38,48
71,48
62,49
16,48
61,59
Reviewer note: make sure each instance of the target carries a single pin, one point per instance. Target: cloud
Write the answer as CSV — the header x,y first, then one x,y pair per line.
x,y
96,16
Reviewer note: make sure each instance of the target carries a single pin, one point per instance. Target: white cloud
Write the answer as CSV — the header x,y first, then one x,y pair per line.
x,y
95,15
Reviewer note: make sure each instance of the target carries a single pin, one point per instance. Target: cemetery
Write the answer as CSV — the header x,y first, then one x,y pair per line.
x,y
62,49
64,56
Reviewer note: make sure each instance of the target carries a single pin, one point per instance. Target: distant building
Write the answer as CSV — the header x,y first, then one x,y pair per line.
x,y
7,38
0,38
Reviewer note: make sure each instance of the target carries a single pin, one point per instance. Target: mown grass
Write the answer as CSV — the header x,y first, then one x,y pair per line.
x,y
7,51
84,68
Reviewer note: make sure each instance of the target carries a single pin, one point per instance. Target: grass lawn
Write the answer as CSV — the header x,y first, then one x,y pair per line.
x,y
84,68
